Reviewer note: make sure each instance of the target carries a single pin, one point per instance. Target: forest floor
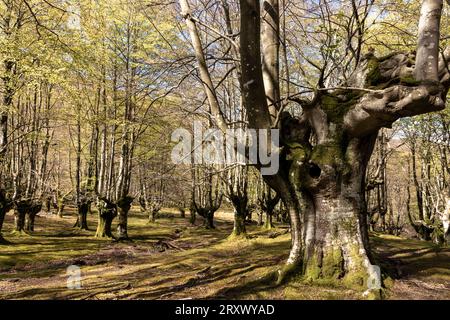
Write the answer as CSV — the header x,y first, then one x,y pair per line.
x,y
171,259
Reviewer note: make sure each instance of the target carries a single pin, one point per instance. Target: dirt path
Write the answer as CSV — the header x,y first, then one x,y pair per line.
x,y
172,260
421,270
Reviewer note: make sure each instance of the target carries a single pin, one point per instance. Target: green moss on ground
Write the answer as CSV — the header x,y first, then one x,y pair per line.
x,y
202,263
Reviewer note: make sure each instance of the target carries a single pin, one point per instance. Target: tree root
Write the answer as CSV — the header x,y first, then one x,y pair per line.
x,y
233,236
163,245
21,233
286,272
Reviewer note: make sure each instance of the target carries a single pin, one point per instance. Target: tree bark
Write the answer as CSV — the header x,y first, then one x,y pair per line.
x,y
60,205
209,220
123,207
182,212
268,224
239,199
239,224
83,209
31,215
271,50
428,43
21,209
5,206
193,214
203,68
326,150
106,213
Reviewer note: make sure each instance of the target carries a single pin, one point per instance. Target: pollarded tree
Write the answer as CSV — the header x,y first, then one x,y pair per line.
x,y
24,78
267,200
426,138
322,182
236,190
325,151
206,193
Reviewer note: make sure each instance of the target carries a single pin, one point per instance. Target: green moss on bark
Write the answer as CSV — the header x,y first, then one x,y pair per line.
x,y
338,103
312,270
357,276
373,76
333,264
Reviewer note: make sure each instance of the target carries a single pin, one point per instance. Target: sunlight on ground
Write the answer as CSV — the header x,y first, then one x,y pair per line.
x,y
170,259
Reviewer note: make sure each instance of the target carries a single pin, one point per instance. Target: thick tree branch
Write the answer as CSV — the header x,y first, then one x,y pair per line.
x,y
253,94
203,68
428,42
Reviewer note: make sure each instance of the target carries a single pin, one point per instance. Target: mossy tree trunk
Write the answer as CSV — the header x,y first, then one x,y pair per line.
x,y
182,212
268,201
60,209
239,224
152,216
154,208
31,216
5,206
327,182
335,241
2,219
107,211
208,217
193,214
83,209
209,220
48,204
21,209
123,207
240,204
260,218
325,150
237,193
268,224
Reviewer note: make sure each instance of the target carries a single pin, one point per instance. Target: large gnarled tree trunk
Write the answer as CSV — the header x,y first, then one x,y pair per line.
x,y
324,152
322,183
